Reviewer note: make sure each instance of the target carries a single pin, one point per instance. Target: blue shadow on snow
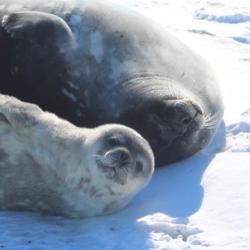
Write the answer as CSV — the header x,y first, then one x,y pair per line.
x,y
176,190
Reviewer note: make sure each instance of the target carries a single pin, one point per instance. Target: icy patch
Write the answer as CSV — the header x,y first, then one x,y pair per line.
x,y
96,46
232,18
169,233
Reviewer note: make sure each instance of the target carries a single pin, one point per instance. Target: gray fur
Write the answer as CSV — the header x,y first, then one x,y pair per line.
x,y
112,65
48,165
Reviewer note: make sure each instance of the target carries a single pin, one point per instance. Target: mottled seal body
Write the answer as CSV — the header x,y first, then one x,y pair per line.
x,y
95,62
50,166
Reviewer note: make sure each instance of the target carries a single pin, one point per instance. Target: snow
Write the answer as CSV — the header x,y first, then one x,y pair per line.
x,y
229,18
200,203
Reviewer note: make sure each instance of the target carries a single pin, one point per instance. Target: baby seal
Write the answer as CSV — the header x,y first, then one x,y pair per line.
x,y
48,165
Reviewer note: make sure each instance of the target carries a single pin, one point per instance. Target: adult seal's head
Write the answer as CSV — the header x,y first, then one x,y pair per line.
x,y
48,165
176,121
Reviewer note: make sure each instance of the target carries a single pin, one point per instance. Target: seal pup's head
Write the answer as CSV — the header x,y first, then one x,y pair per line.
x,y
62,169
120,163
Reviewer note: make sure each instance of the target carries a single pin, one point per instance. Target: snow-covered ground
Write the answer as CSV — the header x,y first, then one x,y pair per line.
x,y
200,203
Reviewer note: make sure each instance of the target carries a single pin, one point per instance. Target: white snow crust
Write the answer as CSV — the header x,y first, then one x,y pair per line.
x,y
200,203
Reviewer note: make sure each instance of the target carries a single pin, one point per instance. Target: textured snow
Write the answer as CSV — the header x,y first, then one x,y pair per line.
x,y
229,18
200,203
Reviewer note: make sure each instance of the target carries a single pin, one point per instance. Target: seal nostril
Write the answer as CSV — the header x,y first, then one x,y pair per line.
x,y
139,166
186,121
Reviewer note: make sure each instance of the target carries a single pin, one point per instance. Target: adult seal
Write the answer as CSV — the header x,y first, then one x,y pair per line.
x,y
48,165
95,62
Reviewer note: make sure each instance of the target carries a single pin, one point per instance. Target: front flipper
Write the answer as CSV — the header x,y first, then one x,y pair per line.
x,y
44,29
4,119
18,114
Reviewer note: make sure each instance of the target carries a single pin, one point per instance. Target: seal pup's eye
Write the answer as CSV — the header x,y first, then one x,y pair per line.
x,y
113,141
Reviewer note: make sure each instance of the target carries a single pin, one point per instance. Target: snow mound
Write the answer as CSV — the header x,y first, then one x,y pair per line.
x,y
201,32
238,134
169,233
241,39
232,18
244,37
225,210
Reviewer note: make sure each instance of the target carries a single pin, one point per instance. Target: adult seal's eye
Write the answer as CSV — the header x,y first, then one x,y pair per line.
x,y
113,141
186,120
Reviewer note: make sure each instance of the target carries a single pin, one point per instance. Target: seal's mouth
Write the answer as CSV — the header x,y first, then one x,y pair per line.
x,y
174,126
173,118
182,115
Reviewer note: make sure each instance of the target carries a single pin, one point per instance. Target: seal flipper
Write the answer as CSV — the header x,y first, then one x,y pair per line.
x,y
38,42
39,28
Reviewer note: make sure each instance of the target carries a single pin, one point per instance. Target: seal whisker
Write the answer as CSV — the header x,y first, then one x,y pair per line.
x,y
210,121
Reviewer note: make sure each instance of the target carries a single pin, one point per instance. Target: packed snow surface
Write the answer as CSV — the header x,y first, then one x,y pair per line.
x,y
200,203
